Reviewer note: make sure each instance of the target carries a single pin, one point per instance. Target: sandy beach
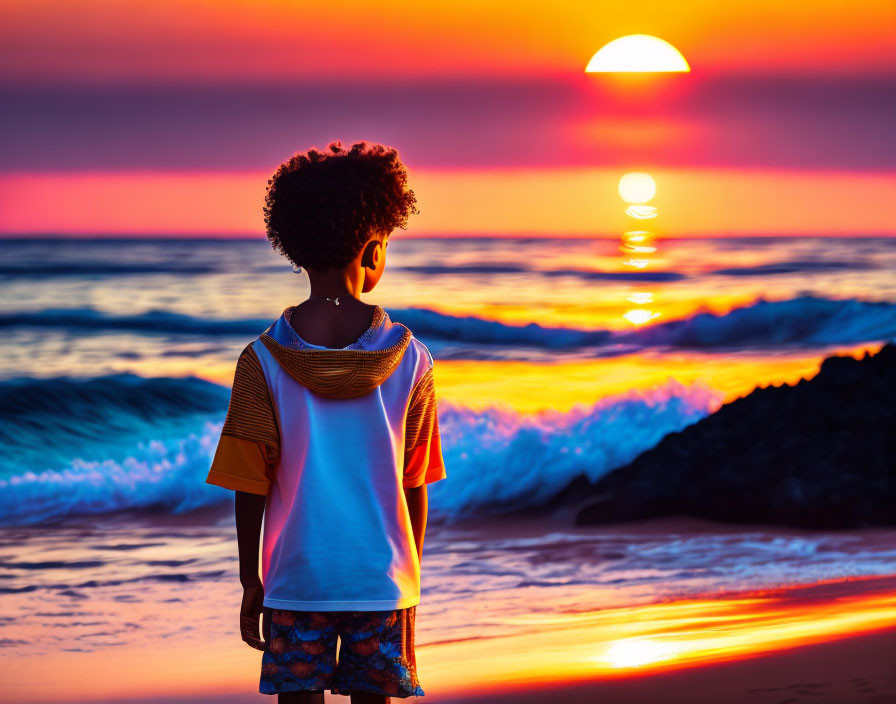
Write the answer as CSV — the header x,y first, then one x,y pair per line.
x,y
850,670
140,629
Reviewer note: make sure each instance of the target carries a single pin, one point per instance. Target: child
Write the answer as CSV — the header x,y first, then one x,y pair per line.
x,y
331,437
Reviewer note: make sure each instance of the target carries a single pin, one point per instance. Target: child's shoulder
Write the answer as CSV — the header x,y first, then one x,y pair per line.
x,y
421,351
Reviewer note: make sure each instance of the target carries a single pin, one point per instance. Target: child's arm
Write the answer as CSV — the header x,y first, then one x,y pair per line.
x,y
423,462
245,459
418,508
249,514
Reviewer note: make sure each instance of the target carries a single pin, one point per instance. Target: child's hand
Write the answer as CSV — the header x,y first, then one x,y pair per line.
x,y
250,610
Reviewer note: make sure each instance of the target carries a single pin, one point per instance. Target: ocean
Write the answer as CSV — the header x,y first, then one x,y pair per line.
x,y
555,359
117,355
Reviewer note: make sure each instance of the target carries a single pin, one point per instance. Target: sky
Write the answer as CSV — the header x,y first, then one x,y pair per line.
x,y
167,118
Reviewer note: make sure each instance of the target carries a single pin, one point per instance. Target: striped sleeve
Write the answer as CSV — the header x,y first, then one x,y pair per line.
x,y
423,462
250,438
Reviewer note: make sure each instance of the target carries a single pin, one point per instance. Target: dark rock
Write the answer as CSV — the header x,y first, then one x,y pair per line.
x,y
818,454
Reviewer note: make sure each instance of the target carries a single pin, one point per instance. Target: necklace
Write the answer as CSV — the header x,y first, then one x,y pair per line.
x,y
324,298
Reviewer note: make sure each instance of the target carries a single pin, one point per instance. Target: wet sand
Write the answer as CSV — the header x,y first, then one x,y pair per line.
x,y
831,640
852,670
860,669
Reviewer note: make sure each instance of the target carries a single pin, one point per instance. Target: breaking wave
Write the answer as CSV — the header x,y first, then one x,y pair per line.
x,y
122,442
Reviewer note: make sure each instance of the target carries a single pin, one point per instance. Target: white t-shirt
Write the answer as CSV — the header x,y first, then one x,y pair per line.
x,y
332,437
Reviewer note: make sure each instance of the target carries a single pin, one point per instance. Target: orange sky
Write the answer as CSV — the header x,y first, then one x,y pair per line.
x,y
224,40
166,116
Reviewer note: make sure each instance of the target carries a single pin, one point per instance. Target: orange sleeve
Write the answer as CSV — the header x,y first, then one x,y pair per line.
x,y
250,438
423,461
240,465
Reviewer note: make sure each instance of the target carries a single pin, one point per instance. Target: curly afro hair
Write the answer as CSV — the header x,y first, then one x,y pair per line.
x,y
322,207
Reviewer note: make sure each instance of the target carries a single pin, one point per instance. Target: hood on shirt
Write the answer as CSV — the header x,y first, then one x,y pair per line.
x,y
339,373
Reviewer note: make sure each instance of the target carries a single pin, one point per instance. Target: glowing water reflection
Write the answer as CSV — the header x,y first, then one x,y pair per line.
x,y
641,212
638,640
639,316
637,188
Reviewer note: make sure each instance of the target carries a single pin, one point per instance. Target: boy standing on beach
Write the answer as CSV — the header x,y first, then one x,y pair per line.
x,y
331,438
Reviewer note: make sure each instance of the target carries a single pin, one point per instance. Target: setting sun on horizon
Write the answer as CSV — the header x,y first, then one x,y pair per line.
x,y
640,53
212,107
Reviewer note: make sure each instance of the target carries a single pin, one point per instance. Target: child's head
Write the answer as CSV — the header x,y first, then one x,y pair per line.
x,y
323,209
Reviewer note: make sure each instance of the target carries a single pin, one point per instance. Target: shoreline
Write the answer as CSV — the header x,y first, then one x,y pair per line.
x,y
517,524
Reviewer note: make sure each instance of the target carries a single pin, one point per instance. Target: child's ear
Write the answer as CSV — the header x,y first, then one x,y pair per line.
x,y
367,257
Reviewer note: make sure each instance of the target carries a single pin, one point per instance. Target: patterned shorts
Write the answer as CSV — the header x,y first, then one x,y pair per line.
x,y
376,652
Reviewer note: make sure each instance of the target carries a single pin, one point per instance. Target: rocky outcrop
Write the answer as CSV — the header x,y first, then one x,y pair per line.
x,y
817,454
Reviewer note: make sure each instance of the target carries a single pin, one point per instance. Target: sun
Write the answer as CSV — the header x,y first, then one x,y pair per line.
x,y
637,53
637,187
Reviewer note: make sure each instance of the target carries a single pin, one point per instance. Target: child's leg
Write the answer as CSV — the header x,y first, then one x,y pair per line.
x,y
369,698
300,698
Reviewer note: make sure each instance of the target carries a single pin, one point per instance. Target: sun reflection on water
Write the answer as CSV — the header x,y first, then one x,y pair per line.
x,y
637,188
641,212
638,652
